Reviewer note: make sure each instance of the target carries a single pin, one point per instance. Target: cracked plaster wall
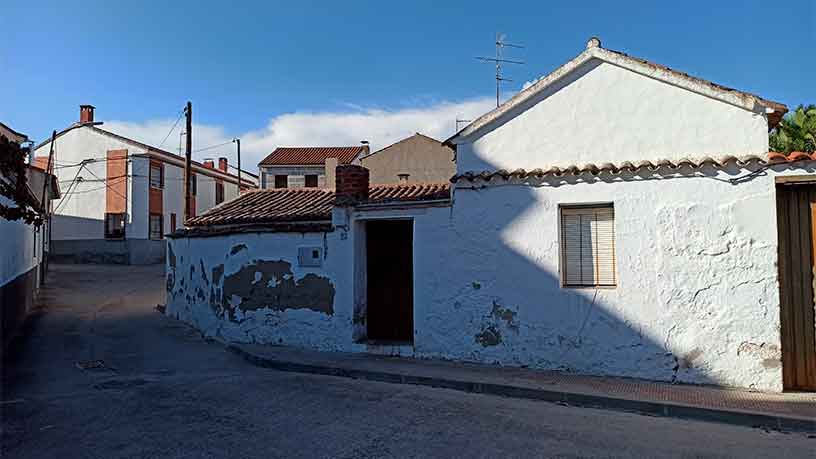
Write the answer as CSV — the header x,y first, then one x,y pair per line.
x,y
696,299
249,288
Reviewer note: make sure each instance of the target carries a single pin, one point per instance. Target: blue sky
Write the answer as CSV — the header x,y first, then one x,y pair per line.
x,y
314,72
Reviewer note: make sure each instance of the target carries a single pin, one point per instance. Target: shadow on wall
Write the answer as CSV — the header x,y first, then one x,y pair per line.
x,y
520,314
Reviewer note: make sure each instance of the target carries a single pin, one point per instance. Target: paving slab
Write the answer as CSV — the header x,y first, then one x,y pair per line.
x,y
778,411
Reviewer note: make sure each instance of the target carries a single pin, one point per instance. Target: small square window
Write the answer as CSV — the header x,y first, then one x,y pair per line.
x,y
156,226
114,226
311,181
281,181
588,246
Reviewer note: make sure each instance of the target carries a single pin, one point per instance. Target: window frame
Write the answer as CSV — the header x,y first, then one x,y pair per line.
x,y
219,192
306,181
150,234
160,168
562,246
172,222
108,232
285,178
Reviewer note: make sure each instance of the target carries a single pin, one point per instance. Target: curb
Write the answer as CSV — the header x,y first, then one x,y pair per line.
x,y
661,409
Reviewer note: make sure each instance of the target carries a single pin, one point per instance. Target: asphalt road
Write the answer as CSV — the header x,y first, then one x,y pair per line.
x,y
163,391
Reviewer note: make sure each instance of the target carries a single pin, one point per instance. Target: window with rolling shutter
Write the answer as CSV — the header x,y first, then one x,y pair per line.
x,y
588,246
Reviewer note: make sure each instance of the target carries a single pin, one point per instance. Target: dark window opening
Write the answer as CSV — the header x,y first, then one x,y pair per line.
x,y
156,226
281,181
219,193
172,223
193,184
156,175
115,226
311,181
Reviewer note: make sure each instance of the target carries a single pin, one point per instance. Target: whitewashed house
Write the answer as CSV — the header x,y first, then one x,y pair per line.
x,y
122,196
615,218
23,247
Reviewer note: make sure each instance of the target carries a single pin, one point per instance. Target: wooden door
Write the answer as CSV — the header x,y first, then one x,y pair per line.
x,y
390,281
796,212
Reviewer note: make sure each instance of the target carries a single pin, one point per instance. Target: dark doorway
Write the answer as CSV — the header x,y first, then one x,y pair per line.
x,y
390,281
796,217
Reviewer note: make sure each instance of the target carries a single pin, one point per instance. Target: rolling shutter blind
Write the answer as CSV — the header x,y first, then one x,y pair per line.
x,y
588,246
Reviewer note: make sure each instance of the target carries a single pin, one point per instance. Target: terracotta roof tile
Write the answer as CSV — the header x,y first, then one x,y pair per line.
x,y
627,166
290,206
302,156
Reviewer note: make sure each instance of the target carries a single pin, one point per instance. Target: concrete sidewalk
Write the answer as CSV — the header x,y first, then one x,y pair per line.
x,y
785,412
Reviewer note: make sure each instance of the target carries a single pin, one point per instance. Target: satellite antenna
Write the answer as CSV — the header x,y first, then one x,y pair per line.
x,y
499,60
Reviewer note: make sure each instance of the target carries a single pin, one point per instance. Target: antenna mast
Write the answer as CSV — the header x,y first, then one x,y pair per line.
x,y
499,60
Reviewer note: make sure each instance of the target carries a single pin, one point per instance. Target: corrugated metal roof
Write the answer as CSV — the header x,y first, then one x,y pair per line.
x,y
303,156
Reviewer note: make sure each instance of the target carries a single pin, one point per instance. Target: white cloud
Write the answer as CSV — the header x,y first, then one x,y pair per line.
x,y
380,127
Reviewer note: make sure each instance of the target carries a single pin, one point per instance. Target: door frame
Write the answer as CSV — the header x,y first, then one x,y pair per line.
x,y
360,310
796,216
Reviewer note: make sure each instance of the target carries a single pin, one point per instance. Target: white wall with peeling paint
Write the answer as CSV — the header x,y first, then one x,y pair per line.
x,y
189,293
696,299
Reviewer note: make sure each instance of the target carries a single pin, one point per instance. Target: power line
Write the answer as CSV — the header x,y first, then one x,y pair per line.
x,y
107,185
212,146
172,129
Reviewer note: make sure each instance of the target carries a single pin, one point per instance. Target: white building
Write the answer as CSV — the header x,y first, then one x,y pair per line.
x,y
615,218
121,196
23,247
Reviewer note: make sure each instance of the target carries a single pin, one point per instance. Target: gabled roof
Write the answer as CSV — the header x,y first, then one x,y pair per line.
x,y
151,150
312,156
748,101
290,206
398,142
13,132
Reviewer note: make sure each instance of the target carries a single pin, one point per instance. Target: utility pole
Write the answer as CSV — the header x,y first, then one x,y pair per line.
x,y
46,225
498,60
238,143
48,171
188,160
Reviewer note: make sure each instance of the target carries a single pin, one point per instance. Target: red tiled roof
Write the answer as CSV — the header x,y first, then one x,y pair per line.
x,y
629,167
267,206
302,156
379,194
299,205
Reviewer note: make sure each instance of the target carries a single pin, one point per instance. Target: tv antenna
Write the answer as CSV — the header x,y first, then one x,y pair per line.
x,y
499,60
461,121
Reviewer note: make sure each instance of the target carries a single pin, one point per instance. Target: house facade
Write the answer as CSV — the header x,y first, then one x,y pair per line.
x,y
415,159
306,167
122,196
24,247
658,238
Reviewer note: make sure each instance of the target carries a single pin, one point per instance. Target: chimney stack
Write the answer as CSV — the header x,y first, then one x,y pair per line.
x,y
331,170
86,114
222,165
351,185
209,163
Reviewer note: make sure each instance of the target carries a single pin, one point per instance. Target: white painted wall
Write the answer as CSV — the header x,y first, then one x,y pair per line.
x,y
604,113
86,205
300,327
20,247
697,282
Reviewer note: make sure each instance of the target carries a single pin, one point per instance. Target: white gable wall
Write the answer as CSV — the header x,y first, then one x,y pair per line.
x,y
604,113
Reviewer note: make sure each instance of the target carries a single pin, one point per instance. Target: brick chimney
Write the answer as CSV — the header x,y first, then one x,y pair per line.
x,y
351,185
222,164
208,163
86,114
